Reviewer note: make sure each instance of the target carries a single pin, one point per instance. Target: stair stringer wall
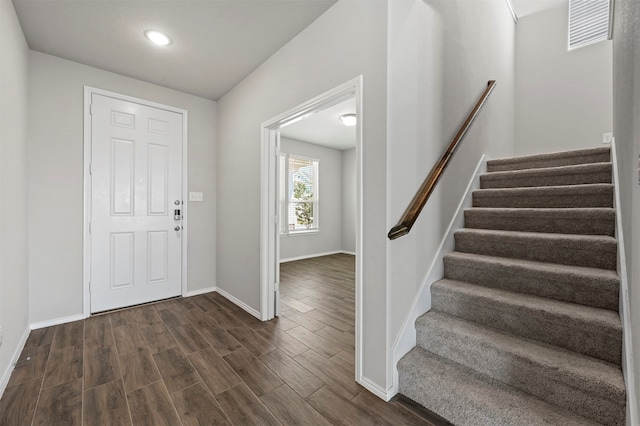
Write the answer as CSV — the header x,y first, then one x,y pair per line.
x,y
406,339
625,310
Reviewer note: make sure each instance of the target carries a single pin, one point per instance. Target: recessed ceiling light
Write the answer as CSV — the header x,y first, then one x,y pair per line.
x,y
348,119
157,37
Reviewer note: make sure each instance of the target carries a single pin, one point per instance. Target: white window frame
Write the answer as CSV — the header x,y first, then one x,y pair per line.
x,y
284,221
590,21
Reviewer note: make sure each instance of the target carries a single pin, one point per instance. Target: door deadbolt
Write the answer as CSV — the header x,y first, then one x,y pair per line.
x,y
176,214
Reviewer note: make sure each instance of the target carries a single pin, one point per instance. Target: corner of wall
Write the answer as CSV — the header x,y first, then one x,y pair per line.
x,y
6,375
14,89
625,308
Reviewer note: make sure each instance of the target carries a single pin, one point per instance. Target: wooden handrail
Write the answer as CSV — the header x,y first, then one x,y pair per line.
x,y
420,199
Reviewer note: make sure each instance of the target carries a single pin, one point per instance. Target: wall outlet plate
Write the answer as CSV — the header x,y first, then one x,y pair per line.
x,y
196,196
606,137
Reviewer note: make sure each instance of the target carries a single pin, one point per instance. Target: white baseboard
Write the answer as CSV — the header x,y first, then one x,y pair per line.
x,y
63,320
200,291
625,310
375,389
311,256
406,339
6,375
57,321
239,303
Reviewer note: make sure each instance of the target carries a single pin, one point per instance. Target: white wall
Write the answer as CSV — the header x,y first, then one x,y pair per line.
x,y
441,55
14,279
626,128
349,200
563,99
347,41
329,238
56,173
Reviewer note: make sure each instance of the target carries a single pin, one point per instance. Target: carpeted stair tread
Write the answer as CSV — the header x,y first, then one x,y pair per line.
x,y
591,331
565,196
550,176
466,398
578,383
598,251
588,286
556,159
586,221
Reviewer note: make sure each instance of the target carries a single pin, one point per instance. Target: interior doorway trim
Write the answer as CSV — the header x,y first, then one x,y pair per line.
x,y
269,256
86,242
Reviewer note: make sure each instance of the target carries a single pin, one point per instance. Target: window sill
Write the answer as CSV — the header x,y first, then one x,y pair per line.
x,y
301,233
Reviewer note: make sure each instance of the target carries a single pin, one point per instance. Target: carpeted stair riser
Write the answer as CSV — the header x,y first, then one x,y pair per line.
x,y
569,196
554,176
584,156
592,221
466,398
584,385
589,331
580,250
598,288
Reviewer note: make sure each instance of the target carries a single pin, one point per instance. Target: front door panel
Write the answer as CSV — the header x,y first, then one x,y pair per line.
x,y
136,188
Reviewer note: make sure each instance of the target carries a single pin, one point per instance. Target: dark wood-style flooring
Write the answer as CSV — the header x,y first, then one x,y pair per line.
x,y
202,360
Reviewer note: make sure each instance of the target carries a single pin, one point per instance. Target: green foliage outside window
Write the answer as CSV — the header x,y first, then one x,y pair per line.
x,y
304,211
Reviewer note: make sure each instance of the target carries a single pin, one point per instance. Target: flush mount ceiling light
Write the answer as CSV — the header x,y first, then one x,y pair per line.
x,y
348,119
157,37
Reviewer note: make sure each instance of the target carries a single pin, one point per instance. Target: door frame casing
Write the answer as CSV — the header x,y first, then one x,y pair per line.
x,y
269,256
86,237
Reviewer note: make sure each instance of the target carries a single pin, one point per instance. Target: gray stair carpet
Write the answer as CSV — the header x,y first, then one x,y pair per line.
x,y
563,175
585,221
524,327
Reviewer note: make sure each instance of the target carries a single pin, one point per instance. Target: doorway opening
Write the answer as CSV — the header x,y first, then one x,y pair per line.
x,y
292,217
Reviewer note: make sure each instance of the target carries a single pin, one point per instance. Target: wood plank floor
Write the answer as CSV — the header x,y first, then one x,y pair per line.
x,y
202,361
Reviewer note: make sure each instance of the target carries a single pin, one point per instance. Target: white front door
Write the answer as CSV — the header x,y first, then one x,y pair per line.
x,y
136,191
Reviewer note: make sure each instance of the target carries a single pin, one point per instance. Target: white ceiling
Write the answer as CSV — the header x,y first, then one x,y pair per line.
x,y
325,128
216,43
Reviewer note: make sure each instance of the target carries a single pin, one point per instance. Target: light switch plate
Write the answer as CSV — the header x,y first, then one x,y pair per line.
x,y
196,196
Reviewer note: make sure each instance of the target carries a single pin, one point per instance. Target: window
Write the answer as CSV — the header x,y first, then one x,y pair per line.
x,y
298,194
588,22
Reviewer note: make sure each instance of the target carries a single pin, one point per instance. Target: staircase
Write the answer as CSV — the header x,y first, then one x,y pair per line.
x,y
524,327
